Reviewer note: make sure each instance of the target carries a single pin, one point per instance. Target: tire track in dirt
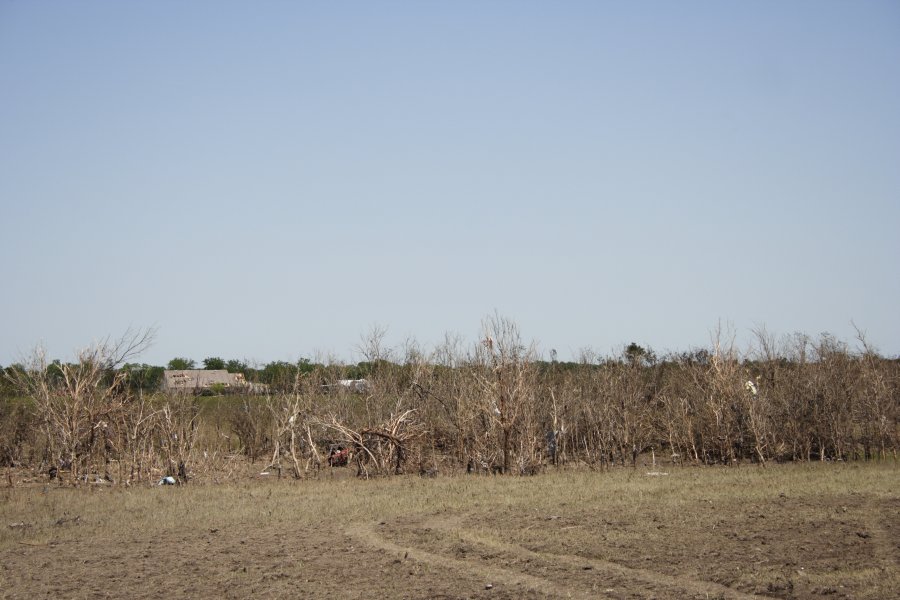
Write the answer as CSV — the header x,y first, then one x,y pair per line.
x,y
644,582
650,581
492,574
886,545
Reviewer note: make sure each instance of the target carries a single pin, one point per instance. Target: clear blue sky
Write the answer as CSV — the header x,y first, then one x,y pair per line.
x,y
266,180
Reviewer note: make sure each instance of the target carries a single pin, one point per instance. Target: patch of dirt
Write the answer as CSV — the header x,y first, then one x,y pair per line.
x,y
553,574
838,546
782,550
317,562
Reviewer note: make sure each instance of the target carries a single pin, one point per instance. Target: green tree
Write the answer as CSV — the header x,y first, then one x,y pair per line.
x,y
637,355
213,363
239,366
304,365
279,374
143,376
236,366
181,364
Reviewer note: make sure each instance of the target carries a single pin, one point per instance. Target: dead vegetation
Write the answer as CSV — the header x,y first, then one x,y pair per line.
x,y
488,407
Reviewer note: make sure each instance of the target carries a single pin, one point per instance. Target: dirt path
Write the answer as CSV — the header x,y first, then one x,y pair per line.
x,y
550,574
493,576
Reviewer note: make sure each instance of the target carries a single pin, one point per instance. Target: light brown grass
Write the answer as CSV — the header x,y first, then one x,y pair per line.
x,y
759,530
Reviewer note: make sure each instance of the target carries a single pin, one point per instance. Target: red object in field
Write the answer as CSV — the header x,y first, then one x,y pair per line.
x,y
338,456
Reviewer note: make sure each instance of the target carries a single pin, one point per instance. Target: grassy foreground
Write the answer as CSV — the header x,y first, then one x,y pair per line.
x,y
804,530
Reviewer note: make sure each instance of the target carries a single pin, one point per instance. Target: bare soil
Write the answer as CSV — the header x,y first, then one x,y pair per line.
x,y
780,532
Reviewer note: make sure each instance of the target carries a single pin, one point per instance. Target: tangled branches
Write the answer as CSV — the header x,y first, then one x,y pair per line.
x,y
382,449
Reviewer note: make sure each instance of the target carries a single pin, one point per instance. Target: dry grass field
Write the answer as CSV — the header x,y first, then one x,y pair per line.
x,y
791,531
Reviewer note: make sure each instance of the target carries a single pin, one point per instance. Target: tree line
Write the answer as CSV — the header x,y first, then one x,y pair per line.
x,y
148,378
488,406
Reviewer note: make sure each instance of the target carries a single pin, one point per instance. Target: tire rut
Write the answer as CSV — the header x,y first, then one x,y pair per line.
x,y
643,582
492,574
650,581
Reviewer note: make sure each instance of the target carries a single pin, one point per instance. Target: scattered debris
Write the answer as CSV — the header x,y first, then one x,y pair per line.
x,y
358,386
94,479
338,455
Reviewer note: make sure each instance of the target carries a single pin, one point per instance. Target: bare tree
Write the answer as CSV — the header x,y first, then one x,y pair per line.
x,y
504,370
79,403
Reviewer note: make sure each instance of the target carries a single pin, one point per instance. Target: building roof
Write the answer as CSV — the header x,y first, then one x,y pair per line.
x,y
191,379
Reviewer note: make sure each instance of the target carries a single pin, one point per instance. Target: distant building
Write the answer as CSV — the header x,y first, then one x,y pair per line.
x,y
196,381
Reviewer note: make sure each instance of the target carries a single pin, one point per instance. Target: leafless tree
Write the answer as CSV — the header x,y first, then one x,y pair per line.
x,y
79,403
